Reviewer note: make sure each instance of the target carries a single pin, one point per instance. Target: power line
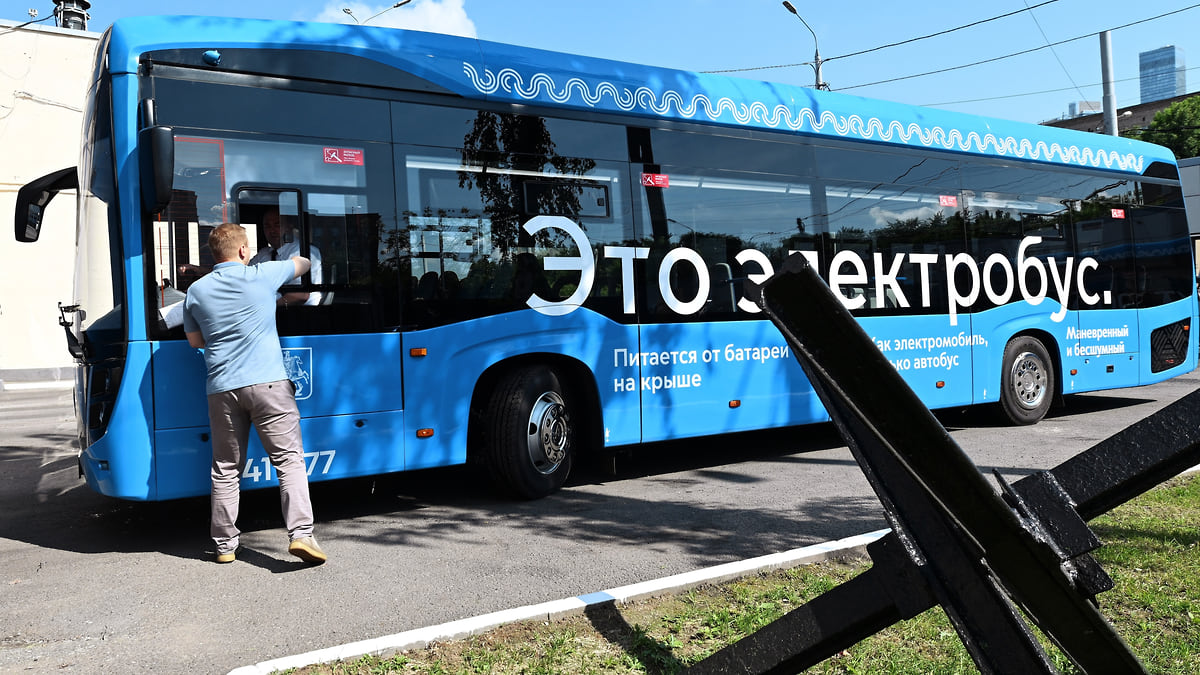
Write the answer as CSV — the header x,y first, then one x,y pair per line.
x,y
31,21
1062,65
746,70
1035,93
1009,56
893,44
944,32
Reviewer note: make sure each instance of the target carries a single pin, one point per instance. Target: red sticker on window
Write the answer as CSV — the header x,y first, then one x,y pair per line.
x,y
344,156
948,200
660,180
1118,213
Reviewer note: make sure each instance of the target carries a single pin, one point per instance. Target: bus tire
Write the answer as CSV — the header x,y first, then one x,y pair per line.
x,y
529,435
1027,387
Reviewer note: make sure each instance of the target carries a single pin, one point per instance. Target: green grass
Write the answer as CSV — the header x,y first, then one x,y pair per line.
x,y
1150,551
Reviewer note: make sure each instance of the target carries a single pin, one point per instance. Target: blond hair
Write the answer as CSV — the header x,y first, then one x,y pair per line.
x,y
225,240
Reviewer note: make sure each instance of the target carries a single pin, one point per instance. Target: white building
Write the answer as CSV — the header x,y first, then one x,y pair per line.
x,y
43,80
1189,175
1077,108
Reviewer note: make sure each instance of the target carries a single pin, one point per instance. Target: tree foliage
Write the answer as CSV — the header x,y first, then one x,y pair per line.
x,y
523,143
1177,127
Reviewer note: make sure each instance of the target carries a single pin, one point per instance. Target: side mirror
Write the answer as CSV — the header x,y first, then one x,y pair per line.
x,y
33,198
156,148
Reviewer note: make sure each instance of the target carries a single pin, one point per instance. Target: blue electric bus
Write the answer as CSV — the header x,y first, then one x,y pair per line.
x,y
524,256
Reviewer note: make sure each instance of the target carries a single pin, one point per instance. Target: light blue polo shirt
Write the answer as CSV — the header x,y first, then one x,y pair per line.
x,y
233,307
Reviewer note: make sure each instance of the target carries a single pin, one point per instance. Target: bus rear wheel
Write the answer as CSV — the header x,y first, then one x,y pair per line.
x,y
1027,389
529,433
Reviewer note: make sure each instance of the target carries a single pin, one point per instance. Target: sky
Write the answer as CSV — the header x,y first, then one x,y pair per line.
x,y
1057,41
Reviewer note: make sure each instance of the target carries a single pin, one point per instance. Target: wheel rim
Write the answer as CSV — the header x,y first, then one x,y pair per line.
x,y
549,433
1028,380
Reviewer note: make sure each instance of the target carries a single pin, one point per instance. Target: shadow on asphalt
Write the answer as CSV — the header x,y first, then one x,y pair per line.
x,y
989,416
420,507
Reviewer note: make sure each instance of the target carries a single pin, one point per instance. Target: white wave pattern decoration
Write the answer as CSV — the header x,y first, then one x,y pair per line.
x,y
575,91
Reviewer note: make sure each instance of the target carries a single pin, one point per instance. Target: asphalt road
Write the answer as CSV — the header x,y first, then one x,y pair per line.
x,y
89,584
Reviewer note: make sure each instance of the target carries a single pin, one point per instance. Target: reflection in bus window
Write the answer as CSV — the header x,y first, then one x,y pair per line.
x,y
469,254
327,211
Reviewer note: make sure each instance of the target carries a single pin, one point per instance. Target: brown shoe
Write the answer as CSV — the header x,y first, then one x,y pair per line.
x,y
227,557
306,549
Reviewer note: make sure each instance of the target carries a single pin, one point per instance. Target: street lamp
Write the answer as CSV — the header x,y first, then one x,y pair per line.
x,y
689,228
351,14
816,64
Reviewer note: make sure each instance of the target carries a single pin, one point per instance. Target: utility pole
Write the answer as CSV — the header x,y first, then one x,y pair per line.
x,y
1110,96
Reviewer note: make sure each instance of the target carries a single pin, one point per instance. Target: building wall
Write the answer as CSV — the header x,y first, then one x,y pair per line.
x,y
43,81
1130,117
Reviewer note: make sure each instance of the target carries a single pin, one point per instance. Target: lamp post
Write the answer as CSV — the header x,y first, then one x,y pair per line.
x,y
689,229
816,64
351,14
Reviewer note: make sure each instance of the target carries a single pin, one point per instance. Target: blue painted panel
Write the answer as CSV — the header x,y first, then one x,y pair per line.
x,y
342,446
179,399
125,447
521,75
1156,317
996,326
690,373
334,375
125,94
431,56
927,350
438,386
1105,351
478,69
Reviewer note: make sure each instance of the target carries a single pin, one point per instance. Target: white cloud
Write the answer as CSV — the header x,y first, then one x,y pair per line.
x,y
434,16
883,217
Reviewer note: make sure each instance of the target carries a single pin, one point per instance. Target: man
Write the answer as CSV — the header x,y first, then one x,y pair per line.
x,y
230,313
281,247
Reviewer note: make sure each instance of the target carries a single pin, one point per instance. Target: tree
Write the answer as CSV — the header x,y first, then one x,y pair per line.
x,y
520,142
1177,127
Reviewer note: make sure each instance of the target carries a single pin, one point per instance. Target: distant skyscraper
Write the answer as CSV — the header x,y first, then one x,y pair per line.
x,y
1162,73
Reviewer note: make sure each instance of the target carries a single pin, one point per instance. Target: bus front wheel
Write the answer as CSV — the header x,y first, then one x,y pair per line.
x,y
1028,381
530,436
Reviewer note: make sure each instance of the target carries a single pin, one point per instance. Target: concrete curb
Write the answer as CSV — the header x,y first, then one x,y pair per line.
x,y
547,611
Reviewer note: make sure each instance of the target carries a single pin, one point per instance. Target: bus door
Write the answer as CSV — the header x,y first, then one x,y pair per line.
x,y
710,362
329,201
512,258
1105,349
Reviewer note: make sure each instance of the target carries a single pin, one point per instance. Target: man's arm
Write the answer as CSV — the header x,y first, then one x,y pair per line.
x,y
196,339
302,266
286,298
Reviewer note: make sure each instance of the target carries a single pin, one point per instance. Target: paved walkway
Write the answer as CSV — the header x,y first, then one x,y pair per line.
x,y
547,611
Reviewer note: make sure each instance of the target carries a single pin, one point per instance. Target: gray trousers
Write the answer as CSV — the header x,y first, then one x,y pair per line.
x,y
271,408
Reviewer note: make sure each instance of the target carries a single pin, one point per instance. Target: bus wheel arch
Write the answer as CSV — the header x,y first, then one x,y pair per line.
x,y
1029,377
531,418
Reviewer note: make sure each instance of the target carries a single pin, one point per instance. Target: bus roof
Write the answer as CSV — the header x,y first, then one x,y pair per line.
x,y
478,69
